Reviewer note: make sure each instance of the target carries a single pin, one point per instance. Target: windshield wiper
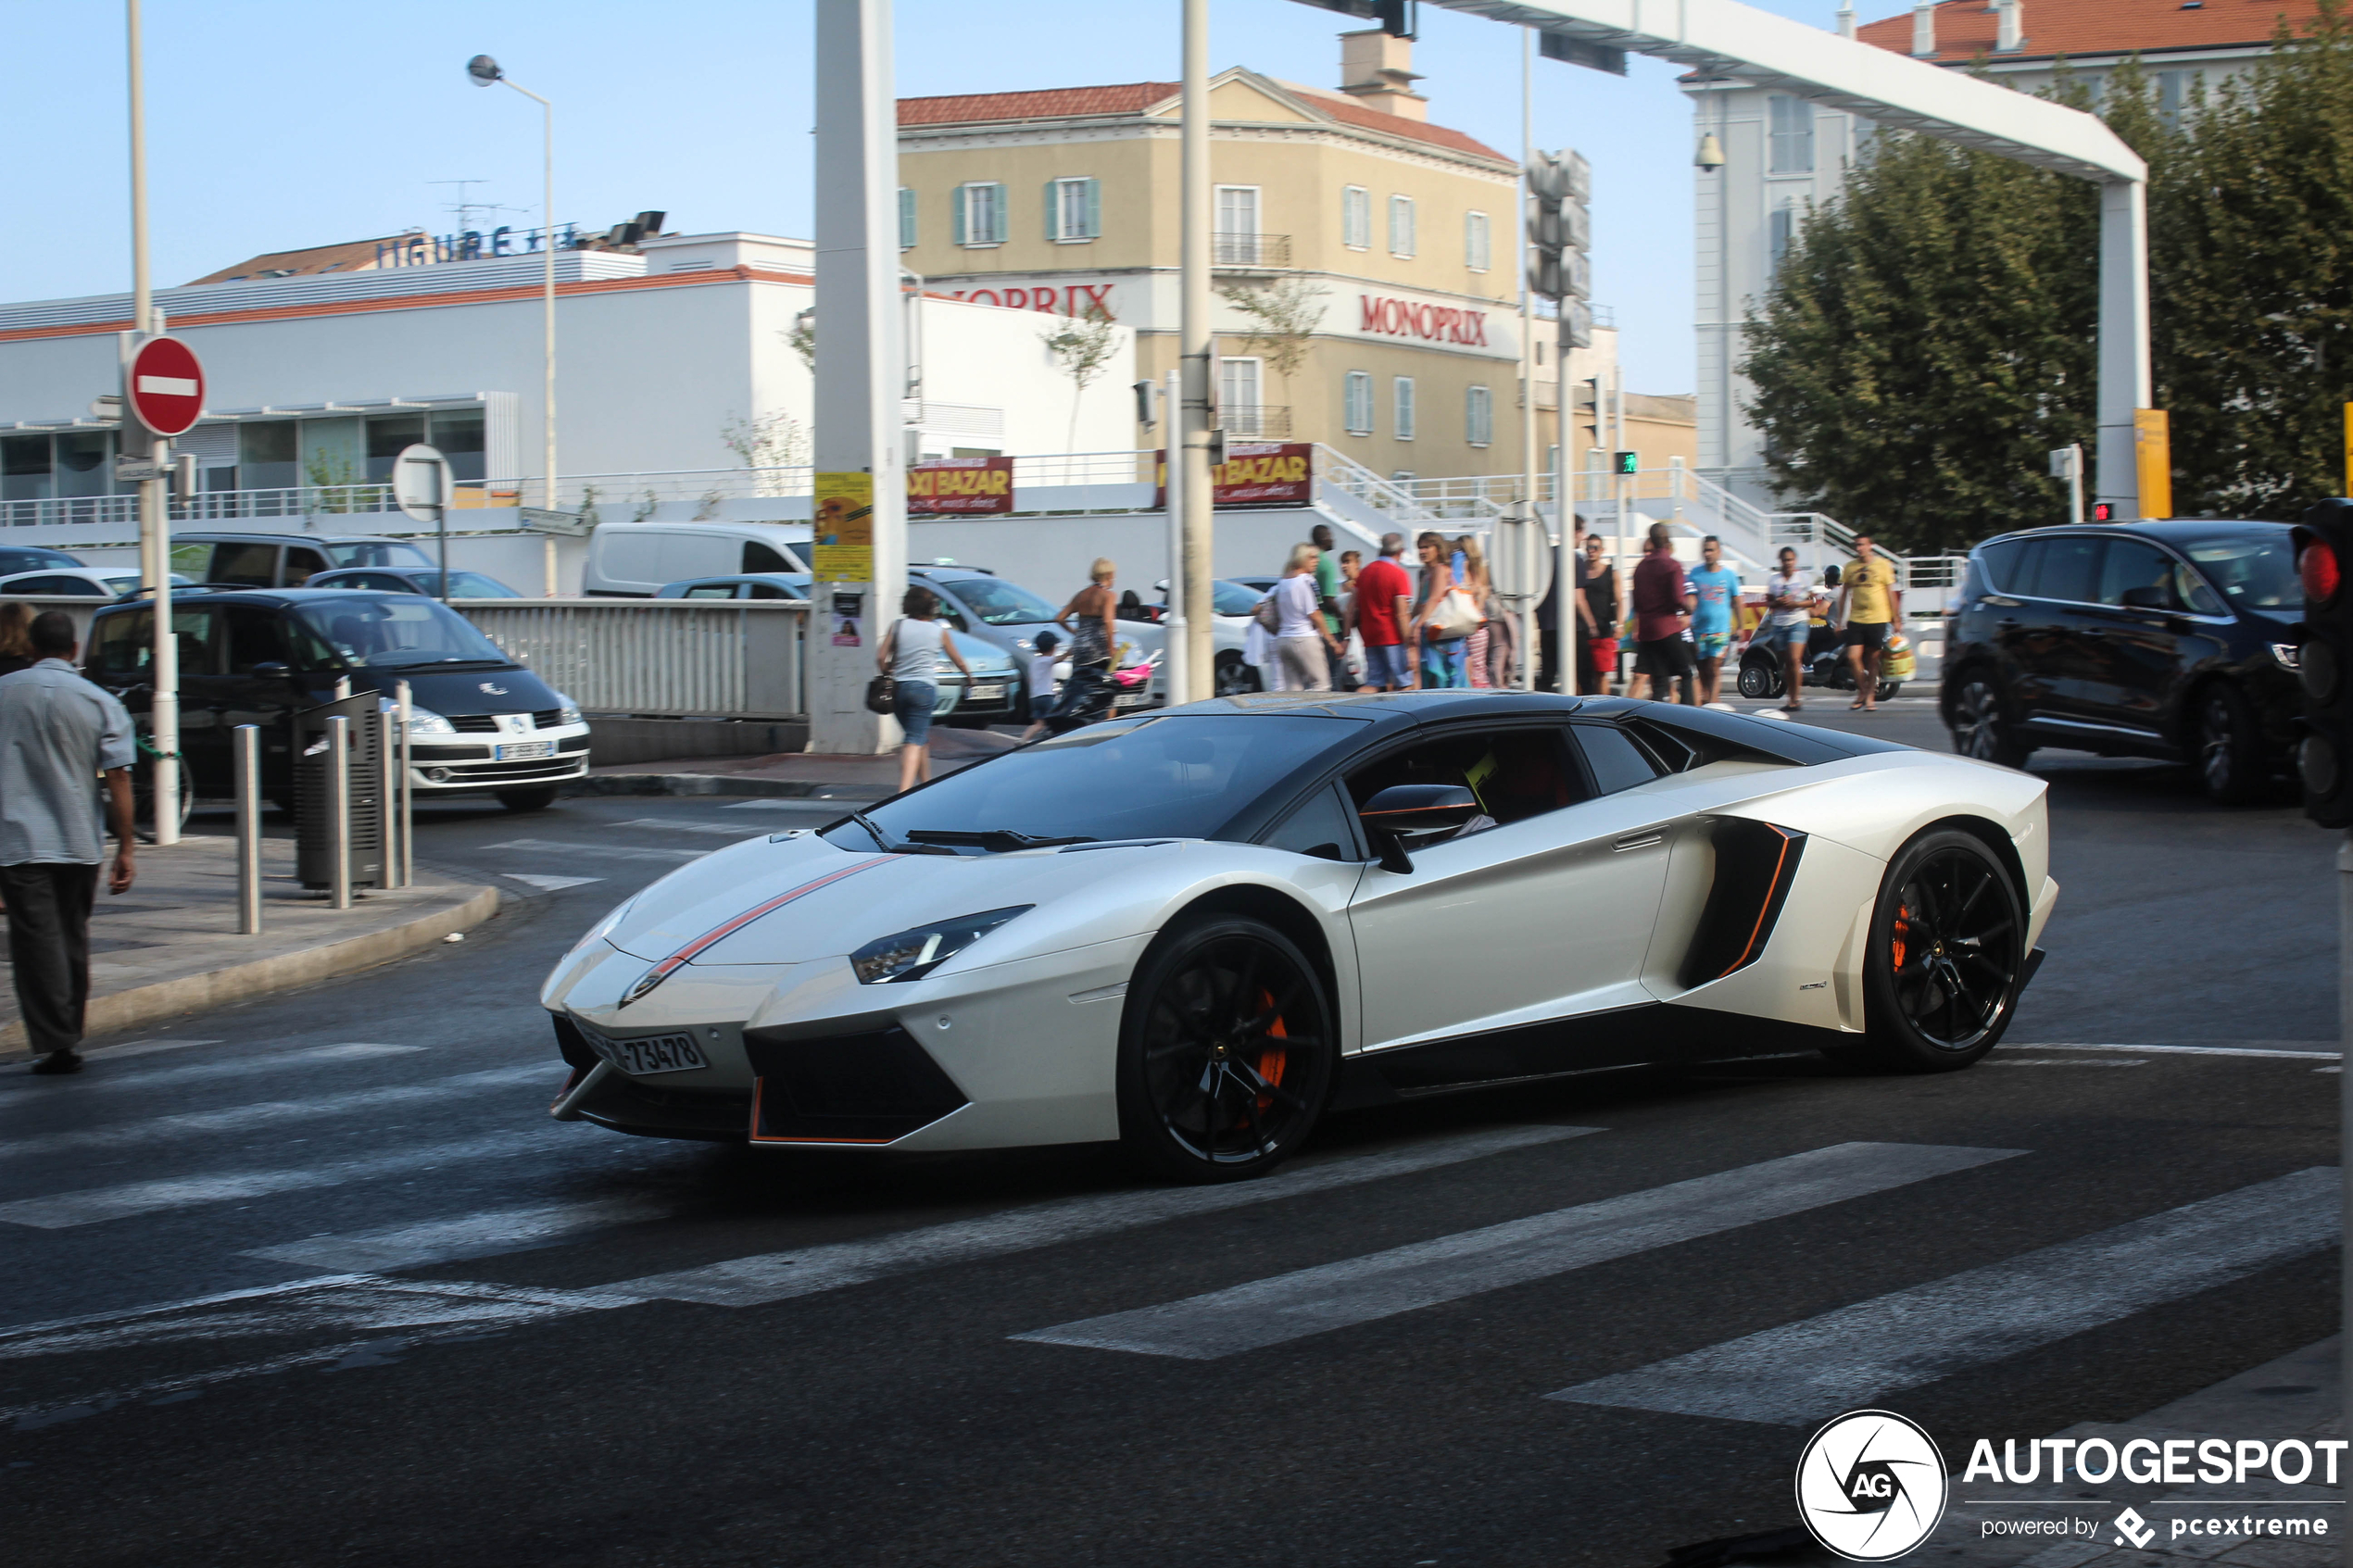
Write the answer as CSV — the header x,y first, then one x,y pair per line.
x,y
882,840
997,841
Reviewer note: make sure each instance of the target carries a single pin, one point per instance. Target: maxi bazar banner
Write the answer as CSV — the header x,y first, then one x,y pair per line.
x,y
1254,474
959,487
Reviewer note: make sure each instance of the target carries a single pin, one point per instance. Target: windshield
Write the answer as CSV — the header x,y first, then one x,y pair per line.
x,y
467,586
1232,598
1181,776
999,603
396,632
374,552
2255,572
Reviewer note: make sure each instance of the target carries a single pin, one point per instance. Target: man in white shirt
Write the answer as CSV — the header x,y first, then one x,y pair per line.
x,y
59,734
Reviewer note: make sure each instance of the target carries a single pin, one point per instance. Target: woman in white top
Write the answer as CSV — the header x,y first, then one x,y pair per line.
x,y
1789,604
1303,644
912,653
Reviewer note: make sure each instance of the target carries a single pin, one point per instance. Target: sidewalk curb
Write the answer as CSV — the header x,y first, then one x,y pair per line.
x,y
720,784
193,993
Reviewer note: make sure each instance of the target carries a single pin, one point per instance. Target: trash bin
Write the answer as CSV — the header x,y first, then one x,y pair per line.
x,y
314,836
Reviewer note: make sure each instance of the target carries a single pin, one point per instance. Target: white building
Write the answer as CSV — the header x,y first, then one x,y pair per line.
x,y
676,367
1785,155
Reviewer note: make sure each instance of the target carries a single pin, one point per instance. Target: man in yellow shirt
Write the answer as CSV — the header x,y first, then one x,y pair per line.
x,y
1871,605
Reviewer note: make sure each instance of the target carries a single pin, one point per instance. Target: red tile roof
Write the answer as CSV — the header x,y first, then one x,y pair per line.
x,y
1965,29
1055,103
353,256
1135,97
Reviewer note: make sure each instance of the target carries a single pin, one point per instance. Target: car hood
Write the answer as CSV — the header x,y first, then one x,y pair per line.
x,y
821,901
511,689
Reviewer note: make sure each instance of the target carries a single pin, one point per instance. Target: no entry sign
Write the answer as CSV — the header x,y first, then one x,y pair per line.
x,y
164,386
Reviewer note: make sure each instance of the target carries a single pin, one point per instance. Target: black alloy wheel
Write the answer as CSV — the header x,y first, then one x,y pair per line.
x,y
1235,677
1946,957
537,799
1227,1052
1759,679
2228,750
1979,729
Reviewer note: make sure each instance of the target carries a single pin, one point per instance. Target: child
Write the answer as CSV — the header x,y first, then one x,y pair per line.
x,y
1041,680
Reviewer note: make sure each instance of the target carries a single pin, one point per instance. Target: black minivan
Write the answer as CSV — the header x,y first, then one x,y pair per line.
x,y
2169,639
481,723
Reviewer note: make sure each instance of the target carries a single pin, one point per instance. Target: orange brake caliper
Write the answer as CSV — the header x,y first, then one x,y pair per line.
x,y
1272,1059
1902,930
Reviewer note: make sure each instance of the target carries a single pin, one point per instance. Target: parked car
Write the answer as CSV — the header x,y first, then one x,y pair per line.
x,y
80,582
980,604
2173,640
1230,603
996,691
33,557
634,559
412,580
481,723
285,561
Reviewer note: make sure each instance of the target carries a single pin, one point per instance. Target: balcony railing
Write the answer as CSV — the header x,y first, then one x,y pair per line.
x,y
226,506
1249,250
1256,422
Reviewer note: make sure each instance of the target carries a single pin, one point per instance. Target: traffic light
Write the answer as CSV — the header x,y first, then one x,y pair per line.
x,y
1627,463
2103,511
2324,548
1393,16
1560,235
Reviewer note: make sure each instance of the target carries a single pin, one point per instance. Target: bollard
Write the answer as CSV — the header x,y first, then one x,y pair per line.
x,y
248,771
339,810
343,687
407,864
387,791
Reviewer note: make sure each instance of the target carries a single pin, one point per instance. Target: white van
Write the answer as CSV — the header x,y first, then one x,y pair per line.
x,y
632,559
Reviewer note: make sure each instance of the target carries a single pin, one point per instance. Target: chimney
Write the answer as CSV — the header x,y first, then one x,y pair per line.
x,y
1924,27
1376,68
1847,21
2010,25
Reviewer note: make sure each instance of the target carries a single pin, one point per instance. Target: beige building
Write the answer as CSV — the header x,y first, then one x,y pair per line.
x,y
1384,247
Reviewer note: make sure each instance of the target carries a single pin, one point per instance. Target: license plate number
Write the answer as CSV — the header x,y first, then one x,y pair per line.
x,y
524,750
987,694
654,1053
1131,700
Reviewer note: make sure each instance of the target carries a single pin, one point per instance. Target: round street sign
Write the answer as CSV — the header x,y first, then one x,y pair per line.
x,y
421,483
165,386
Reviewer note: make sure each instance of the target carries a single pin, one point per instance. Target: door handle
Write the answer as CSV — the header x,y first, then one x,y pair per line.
x,y
1639,841
2095,631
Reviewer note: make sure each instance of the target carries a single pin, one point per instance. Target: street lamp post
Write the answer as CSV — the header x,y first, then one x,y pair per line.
x,y
483,70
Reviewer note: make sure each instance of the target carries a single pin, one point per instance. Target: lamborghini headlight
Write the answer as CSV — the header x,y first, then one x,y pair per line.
x,y
911,955
608,925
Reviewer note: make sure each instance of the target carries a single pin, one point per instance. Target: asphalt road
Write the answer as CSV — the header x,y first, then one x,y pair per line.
x,y
315,1280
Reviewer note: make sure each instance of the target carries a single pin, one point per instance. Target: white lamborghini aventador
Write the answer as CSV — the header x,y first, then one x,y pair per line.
x,y
1199,930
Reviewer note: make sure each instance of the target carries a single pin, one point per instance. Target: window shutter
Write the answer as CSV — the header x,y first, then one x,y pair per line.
x,y
1094,208
958,199
998,225
906,218
1055,212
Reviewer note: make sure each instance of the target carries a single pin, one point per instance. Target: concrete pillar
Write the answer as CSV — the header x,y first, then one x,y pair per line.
x,y
2124,377
861,371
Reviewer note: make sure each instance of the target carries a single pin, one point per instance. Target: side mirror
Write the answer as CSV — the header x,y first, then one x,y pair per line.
x,y
1402,811
270,669
2149,598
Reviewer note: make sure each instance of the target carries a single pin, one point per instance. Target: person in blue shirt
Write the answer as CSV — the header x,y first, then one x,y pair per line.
x,y
1714,591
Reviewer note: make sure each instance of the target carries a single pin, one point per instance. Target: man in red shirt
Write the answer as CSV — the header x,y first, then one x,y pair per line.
x,y
1662,610
1382,607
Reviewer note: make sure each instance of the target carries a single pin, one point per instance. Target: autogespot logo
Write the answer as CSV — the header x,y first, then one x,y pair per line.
x,y
1870,1486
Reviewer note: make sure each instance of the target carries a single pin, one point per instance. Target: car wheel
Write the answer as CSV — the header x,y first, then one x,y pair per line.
x,y
1234,677
1227,1052
528,799
1947,954
1759,680
2229,753
1978,728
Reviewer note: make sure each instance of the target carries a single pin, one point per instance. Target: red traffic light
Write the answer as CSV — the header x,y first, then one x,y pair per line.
x,y
2103,511
2317,565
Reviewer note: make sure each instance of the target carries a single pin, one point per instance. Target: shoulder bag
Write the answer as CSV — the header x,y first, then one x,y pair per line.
x,y
1456,615
881,692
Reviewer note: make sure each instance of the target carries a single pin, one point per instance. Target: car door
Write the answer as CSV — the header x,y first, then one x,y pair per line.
x,y
2071,631
204,745
253,636
1504,929
2133,650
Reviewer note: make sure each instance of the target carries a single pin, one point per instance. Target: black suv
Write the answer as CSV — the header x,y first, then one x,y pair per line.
x,y
2173,640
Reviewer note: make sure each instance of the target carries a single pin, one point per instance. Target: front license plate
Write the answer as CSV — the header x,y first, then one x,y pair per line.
x,y
655,1053
1131,700
986,694
523,750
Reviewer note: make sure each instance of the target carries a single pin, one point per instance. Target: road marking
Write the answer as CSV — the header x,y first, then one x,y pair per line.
x,y
613,851
254,1117
728,829
776,1276
1306,1301
1802,1372
484,1234
199,1072
549,883
93,1205
2291,1054
2065,1061
794,803
142,1047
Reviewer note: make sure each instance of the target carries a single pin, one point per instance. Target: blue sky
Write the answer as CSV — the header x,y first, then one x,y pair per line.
x,y
274,124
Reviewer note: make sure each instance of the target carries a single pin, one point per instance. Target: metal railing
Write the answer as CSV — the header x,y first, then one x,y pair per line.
x,y
224,506
1249,250
669,657
1255,421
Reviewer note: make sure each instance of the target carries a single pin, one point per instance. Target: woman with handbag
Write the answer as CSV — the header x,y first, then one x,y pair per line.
x,y
909,685
1087,696
1444,616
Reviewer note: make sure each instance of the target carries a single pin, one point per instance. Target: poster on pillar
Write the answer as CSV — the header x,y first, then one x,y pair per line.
x,y
2153,460
844,530
959,487
1272,474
